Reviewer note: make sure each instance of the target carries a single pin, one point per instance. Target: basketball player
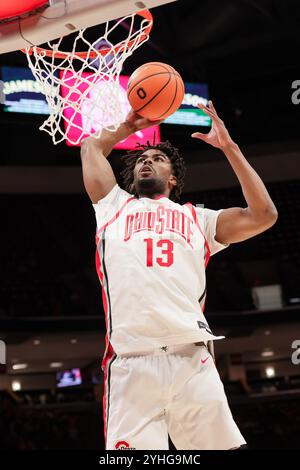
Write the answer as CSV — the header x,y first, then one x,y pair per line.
x,y
151,256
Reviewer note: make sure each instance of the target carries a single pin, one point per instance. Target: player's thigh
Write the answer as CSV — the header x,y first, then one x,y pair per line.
x,y
134,407
152,435
199,417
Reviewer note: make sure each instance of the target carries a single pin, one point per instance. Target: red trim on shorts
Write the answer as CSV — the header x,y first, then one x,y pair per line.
x,y
105,367
109,351
104,402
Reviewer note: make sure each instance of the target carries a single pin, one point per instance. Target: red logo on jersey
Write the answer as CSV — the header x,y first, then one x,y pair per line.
x,y
159,221
123,445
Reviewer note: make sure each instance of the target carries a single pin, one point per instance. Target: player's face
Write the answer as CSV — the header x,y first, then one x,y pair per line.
x,y
153,173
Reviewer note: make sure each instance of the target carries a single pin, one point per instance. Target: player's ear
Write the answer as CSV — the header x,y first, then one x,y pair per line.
x,y
173,180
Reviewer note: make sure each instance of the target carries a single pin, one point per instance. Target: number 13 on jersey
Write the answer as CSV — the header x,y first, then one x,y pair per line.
x,y
165,248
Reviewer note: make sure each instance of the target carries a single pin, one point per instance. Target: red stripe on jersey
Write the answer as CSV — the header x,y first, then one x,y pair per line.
x,y
207,257
104,299
115,216
194,214
101,275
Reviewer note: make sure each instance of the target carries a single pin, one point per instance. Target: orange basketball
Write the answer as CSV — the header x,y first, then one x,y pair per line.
x,y
155,90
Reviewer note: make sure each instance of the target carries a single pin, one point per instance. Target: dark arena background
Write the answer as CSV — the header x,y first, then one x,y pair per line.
x,y
51,316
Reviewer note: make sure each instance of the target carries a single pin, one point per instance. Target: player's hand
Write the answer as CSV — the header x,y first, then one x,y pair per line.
x,y
218,136
137,122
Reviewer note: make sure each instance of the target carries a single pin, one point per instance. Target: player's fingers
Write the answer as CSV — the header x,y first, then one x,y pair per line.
x,y
206,109
215,112
199,135
212,106
201,105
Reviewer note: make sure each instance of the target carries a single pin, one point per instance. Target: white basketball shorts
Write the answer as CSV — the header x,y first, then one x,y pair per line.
x,y
173,390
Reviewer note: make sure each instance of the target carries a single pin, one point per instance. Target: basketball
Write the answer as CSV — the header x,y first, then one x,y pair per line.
x,y
155,90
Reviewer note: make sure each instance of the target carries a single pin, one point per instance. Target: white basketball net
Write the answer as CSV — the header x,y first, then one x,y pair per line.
x,y
83,91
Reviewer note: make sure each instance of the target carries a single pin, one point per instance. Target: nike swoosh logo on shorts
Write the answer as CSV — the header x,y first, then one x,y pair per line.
x,y
204,360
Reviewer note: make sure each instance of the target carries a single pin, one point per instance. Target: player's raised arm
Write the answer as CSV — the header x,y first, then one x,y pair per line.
x,y
237,224
98,176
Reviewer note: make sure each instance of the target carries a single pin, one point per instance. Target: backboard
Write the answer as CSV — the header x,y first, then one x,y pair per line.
x,y
58,18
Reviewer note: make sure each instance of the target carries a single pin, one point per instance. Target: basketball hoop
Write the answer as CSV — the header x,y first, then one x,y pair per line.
x,y
90,78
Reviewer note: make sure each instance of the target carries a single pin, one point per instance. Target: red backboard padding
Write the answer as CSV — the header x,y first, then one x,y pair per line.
x,y
14,8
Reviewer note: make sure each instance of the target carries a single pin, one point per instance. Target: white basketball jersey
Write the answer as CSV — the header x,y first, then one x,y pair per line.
x,y
151,258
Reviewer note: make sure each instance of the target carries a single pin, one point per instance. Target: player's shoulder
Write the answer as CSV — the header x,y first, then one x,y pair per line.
x,y
111,205
115,195
203,211
195,209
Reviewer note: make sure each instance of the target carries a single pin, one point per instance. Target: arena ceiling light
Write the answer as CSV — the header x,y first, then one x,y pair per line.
x,y
270,372
55,365
267,353
16,386
19,366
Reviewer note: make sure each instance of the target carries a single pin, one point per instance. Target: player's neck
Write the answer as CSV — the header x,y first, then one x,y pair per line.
x,y
153,195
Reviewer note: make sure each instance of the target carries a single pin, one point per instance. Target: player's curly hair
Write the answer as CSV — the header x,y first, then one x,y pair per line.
x,y
177,161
